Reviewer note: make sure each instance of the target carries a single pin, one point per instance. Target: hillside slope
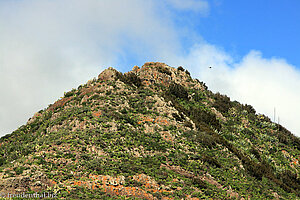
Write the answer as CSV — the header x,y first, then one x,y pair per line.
x,y
151,133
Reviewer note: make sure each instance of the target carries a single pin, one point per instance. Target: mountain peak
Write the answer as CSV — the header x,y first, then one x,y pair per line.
x,y
108,74
151,133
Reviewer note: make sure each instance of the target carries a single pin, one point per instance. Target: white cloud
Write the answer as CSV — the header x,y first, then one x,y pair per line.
x,y
48,47
190,5
268,83
261,82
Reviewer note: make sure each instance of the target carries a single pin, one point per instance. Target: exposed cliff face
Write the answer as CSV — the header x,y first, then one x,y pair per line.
x,y
151,133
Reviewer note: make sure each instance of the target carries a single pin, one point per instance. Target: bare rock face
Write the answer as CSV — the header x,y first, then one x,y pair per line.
x,y
108,74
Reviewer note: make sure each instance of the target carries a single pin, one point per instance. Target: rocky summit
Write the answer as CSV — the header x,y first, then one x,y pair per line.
x,y
151,133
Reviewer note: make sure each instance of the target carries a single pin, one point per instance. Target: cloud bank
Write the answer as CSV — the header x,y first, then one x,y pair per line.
x,y
265,83
48,47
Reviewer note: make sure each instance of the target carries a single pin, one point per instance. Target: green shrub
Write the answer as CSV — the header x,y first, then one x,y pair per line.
x,y
179,118
249,108
70,93
291,180
203,119
286,137
129,78
188,124
199,183
180,68
205,139
178,91
202,83
2,161
187,72
164,70
255,153
19,170
211,161
222,103
198,97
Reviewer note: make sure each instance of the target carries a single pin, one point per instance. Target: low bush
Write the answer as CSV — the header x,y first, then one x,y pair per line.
x,y
178,91
187,72
249,108
2,161
199,183
198,97
202,83
19,170
188,124
200,138
222,103
205,139
70,93
129,78
204,119
290,179
286,137
210,160
180,68
179,118
255,153
164,70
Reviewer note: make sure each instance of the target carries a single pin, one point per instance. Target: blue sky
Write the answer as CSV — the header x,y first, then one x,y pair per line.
x,y
270,26
240,26
49,47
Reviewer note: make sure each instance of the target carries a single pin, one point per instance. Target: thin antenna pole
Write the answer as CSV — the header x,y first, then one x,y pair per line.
x,y
274,114
278,123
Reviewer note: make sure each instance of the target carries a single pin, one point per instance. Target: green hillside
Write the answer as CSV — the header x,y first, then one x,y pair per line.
x,y
151,133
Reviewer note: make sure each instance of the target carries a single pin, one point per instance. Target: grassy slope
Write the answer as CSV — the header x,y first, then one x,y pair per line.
x,y
108,138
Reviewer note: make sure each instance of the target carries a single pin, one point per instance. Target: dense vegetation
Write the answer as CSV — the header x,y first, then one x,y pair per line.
x,y
151,133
